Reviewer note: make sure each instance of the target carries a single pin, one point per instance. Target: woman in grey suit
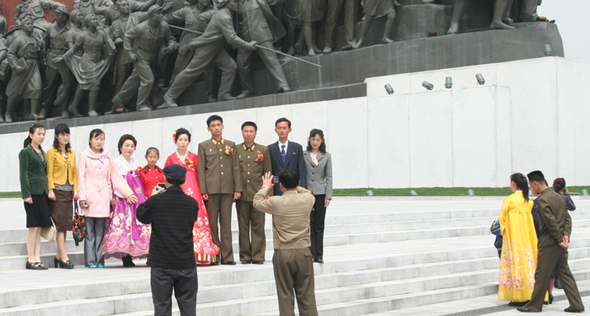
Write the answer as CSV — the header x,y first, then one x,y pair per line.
x,y
318,168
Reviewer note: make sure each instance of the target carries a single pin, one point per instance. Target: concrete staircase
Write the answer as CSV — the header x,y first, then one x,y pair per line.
x,y
381,254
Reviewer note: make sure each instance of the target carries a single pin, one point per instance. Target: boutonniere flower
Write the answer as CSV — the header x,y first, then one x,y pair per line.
x,y
228,150
260,157
187,162
174,135
138,169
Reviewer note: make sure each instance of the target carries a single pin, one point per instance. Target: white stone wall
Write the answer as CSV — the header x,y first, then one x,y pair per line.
x,y
529,115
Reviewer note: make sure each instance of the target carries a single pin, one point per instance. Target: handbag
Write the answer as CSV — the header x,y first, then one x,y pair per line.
x,y
495,228
49,233
78,226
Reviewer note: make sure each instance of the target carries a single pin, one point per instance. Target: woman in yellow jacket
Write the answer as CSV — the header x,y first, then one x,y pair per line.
x,y
62,181
518,260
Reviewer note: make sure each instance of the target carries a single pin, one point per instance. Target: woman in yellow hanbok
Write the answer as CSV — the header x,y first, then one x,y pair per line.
x,y
518,261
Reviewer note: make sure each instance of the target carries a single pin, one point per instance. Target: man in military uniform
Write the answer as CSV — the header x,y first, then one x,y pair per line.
x,y
35,8
254,163
210,48
257,23
218,173
142,44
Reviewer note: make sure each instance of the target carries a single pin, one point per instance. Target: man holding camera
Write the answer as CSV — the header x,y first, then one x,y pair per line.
x,y
172,214
292,260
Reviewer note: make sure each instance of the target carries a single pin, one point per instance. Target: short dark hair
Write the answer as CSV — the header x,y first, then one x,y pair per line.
x,y
212,118
283,119
537,176
154,149
521,183
125,138
289,178
61,128
250,123
182,131
313,133
95,133
175,180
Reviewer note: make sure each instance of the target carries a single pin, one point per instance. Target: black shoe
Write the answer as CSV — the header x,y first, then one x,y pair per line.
x,y
525,310
551,298
128,262
258,262
34,266
318,260
214,263
518,304
64,265
246,261
571,310
229,263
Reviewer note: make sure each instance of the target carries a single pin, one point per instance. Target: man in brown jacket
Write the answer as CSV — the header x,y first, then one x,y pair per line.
x,y
556,227
219,179
254,163
292,261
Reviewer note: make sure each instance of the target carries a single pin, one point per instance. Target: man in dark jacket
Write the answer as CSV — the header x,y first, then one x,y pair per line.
x,y
172,214
555,225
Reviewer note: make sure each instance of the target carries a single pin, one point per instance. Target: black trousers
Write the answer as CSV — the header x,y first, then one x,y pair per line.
x,y
185,285
317,223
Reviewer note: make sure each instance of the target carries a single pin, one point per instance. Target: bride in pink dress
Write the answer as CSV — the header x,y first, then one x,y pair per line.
x,y
205,250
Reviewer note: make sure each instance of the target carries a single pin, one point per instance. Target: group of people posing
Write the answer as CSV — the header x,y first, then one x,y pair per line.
x,y
535,237
109,191
126,47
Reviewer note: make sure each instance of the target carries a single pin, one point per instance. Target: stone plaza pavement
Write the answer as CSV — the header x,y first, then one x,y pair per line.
x,y
383,256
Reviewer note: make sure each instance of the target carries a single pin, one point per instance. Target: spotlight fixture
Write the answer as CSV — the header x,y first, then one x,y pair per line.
x,y
370,193
413,193
388,88
427,85
584,192
470,192
449,82
547,49
480,79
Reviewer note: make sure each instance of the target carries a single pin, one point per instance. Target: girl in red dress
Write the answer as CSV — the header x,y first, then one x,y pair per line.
x,y
205,249
151,174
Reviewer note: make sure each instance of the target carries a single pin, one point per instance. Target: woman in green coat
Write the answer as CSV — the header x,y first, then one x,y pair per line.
x,y
33,184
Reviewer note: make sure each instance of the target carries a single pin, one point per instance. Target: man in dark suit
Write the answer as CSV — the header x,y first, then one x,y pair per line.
x,y
286,154
218,174
172,214
556,226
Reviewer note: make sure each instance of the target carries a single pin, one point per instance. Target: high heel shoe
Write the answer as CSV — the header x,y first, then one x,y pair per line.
x,y
33,266
63,265
550,298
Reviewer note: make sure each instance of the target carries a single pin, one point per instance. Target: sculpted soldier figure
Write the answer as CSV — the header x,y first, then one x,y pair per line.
x,y
59,39
3,70
333,14
501,18
373,9
119,27
195,15
23,58
92,66
143,43
35,9
210,48
3,25
257,23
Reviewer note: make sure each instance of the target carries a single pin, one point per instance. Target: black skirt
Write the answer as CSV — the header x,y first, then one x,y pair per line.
x,y
38,213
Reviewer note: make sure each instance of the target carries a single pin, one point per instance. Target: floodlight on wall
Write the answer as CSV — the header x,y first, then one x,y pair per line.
x,y
470,192
388,88
413,193
547,49
427,85
370,193
480,79
584,192
449,82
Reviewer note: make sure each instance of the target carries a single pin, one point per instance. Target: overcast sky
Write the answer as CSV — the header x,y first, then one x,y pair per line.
x,y
570,17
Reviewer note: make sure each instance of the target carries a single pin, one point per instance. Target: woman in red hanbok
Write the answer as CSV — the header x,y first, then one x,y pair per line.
x,y
205,249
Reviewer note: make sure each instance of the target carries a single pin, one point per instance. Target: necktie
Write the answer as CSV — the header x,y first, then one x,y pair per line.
x,y
283,154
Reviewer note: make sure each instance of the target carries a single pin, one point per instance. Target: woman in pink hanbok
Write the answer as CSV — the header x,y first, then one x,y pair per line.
x,y
125,237
205,250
